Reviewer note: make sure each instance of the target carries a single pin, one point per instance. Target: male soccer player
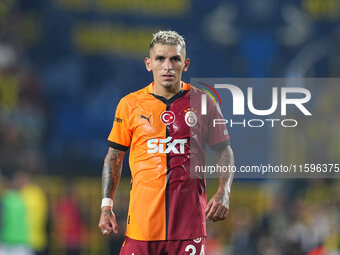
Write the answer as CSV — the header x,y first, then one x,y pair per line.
x,y
165,134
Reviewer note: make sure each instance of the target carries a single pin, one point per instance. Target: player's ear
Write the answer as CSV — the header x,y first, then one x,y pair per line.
x,y
147,62
186,64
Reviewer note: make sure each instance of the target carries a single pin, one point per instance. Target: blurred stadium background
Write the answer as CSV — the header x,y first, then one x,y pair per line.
x,y
64,64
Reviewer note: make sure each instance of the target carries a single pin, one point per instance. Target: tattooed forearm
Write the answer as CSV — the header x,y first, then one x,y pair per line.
x,y
111,172
226,158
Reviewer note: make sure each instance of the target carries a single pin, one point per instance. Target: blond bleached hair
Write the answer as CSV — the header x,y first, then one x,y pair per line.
x,y
167,38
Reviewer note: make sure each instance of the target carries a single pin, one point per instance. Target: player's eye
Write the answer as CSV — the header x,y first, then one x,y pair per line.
x,y
160,58
177,58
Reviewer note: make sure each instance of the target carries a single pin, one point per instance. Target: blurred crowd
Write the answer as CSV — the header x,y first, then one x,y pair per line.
x,y
277,217
298,217
23,108
23,207
42,217
25,214
302,217
23,116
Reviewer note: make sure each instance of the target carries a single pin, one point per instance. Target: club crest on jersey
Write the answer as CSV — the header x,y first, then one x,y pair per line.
x,y
167,117
190,117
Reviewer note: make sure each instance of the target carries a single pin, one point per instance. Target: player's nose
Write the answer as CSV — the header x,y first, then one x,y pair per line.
x,y
167,65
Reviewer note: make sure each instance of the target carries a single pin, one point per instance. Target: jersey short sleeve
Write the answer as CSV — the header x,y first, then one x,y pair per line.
x,y
218,136
120,135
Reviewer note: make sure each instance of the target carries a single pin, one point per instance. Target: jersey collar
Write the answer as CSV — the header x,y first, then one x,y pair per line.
x,y
184,89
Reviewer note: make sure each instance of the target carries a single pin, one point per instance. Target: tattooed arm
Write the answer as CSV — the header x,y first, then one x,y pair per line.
x,y
110,178
218,206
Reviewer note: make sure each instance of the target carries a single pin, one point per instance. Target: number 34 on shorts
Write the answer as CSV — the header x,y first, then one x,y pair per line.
x,y
197,248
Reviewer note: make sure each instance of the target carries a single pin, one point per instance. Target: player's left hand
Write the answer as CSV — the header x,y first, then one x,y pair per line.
x,y
218,206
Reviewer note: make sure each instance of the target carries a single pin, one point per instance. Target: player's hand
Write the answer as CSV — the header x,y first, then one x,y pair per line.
x,y
108,222
218,206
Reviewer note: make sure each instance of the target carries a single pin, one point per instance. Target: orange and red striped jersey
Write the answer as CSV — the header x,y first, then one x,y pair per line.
x,y
165,202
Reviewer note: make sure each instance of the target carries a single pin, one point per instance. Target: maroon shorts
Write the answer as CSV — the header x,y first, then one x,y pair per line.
x,y
176,247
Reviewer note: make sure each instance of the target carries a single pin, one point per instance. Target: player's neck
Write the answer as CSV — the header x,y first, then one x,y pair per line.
x,y
167,92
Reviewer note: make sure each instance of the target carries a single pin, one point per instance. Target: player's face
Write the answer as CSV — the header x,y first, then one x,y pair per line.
x,y
167,63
